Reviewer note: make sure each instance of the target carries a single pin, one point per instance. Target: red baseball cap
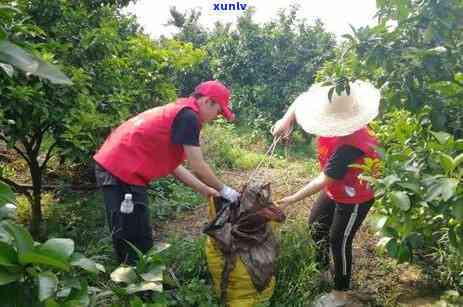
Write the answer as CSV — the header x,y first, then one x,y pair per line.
x,y
219,93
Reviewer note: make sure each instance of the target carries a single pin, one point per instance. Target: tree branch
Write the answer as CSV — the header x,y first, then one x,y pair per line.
x,y
27,146
48,156
45,129
37,142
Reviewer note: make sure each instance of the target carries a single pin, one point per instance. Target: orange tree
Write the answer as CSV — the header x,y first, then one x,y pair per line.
x,y
416,51
115,69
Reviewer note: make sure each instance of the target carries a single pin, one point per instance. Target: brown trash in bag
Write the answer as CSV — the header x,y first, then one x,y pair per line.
x,y
242,229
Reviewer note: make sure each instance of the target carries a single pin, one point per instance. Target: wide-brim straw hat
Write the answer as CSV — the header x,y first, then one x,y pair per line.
x,y
343,115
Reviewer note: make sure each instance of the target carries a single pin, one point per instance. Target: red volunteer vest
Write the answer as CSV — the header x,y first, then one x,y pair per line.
x,y
349,190
140,150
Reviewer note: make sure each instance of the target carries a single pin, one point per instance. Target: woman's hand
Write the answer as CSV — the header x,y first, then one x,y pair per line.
x,y
282,127
285,202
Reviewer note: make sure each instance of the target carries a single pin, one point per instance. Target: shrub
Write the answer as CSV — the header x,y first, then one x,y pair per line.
x,y
419,196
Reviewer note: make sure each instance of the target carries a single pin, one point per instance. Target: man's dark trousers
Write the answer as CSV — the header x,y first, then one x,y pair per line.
x,y
134,227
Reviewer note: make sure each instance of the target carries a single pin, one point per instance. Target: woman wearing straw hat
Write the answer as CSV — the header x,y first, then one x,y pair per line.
x,y
340,122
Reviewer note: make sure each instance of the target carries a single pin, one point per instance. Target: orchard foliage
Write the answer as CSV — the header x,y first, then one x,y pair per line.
x,y
266,65
416,51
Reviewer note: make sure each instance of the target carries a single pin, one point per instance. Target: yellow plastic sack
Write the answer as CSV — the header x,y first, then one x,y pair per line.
x,y
241,291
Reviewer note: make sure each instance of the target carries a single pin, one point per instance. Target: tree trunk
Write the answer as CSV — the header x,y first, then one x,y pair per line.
x,y
36,205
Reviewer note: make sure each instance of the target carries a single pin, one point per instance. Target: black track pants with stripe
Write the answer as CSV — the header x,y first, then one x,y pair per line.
x,y
334,227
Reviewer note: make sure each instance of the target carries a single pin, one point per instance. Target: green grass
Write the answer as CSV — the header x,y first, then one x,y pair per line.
x,y
297,278
170,197
225,148
187,260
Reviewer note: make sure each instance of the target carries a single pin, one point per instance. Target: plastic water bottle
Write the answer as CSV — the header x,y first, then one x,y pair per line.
x,y
127,204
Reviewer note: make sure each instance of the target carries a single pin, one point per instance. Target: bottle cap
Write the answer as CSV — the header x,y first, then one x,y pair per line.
x,y
128,196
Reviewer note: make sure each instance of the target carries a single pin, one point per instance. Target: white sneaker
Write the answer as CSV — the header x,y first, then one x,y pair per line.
x,y
330,300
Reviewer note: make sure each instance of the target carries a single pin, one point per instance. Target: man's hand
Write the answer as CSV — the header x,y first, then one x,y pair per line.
x,y
230,194
185,176
200,167
207,191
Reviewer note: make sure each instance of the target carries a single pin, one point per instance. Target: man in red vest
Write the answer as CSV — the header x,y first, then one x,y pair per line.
x,y
151,145
340,122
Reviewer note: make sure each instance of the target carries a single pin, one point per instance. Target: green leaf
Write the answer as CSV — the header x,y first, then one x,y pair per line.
x,y
449,188
9,8
459,144
458,160
144,286
72,282
155,274
401,200
390,180
378,221
403,10
457,211
453,238
22,238
383,242
136,302
39,257
6,194
8,69
158,248
330,94
414,187
8,211
88,265
18,57
64,292
349,37
446,162
79,297
48,284
7,277
339,89
443,189
59,248
390,232
54,252
124,274
51,303
8,255
140,255
415,240
428,35
442,137
141,262
392,248
437,50
404,253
